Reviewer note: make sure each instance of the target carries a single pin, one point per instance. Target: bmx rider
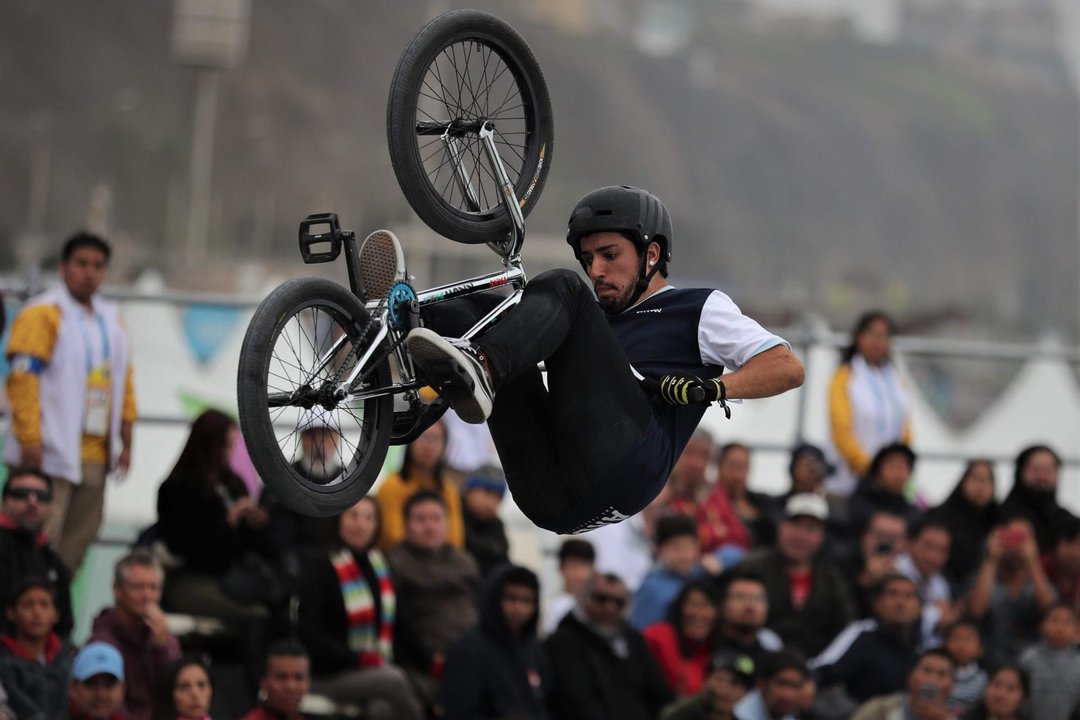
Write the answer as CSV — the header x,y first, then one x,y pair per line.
x,y
593,447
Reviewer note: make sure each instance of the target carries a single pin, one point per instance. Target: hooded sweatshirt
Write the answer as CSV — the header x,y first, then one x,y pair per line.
x,y
489,672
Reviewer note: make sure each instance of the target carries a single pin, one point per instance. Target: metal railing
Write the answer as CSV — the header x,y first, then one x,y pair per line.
x,y
804,337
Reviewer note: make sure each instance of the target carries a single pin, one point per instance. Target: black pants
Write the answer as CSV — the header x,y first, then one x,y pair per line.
x,y
571,451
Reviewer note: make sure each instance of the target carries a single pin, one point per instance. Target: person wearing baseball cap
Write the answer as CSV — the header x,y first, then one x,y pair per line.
x,y
485,536
809,470
809,599
96,690
730,678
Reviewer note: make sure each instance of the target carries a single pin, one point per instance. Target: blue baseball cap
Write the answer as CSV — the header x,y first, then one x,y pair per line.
x,y
488,477
98,658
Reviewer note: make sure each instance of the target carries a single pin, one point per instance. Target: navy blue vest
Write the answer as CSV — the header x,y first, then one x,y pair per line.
x,y
660,336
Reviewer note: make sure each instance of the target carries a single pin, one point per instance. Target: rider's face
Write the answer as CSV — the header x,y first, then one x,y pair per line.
x,y
613,265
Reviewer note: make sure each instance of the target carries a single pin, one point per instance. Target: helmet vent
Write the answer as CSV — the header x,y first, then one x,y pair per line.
x,y
602,212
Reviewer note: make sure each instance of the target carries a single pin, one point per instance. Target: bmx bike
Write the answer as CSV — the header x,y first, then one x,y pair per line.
x,y
324,372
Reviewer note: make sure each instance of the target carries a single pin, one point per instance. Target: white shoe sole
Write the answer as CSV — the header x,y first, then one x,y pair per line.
x,y
452,373
382,263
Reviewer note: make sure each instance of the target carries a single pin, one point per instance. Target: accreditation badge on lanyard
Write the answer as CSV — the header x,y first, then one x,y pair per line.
x,y
98,383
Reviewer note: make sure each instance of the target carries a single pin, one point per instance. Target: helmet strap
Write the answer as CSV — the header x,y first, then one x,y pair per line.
x,y
644,277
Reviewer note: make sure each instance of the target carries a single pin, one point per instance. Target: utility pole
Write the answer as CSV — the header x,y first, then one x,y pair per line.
x,y
212,36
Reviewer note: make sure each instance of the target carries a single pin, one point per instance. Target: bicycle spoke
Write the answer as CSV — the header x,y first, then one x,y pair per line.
x,y
484,79
445,89
470,80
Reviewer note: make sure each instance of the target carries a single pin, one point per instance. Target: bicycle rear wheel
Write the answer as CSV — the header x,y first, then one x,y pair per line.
x,y
317,454
463,68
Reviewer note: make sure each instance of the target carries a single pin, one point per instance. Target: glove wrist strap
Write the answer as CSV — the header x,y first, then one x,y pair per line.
x,y
721,395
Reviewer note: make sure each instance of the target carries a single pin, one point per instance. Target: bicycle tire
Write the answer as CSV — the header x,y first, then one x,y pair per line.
x,y
461,42
363,431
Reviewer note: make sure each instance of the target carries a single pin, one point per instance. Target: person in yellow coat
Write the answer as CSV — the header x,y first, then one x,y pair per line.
x,y
869,407
422,469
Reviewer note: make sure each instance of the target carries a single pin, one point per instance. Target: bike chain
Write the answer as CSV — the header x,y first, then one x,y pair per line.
x,y
355,352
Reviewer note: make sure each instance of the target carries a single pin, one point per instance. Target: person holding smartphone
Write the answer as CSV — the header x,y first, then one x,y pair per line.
x,y
1011,591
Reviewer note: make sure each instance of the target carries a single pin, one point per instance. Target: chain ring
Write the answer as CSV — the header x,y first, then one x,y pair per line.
x,y
400,295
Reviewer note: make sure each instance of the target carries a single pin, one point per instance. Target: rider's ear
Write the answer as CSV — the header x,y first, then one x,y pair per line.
x,y
652,253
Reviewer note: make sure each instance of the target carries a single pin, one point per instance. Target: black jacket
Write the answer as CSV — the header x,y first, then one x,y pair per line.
x,y
827,610
869,661
322,624
491,675
486,541
22,556
194,525
592,683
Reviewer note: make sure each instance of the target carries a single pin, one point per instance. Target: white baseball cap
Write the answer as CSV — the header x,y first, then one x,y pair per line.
x,y
808,504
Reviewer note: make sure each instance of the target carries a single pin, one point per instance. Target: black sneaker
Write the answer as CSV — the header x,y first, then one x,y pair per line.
x,y
458,369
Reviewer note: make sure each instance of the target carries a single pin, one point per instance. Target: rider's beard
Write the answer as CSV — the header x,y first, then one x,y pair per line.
x,y
614,304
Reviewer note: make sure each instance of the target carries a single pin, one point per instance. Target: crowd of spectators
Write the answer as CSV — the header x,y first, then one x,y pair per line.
x,y
871,613
842,596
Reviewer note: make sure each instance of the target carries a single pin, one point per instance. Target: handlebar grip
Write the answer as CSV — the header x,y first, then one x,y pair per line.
x,y
694,394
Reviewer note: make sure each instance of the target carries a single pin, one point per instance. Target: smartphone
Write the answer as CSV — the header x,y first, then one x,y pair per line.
x,y
1013,537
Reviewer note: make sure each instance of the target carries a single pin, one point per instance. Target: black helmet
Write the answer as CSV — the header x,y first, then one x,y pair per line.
x,y
621,208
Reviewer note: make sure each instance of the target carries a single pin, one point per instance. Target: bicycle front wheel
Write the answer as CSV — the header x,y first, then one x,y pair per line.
x,y
462,69
318,454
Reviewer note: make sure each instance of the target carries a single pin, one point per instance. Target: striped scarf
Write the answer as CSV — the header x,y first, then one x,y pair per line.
x,y
360,604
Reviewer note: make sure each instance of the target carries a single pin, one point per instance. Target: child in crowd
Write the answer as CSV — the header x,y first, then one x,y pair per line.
x,y
678,552
34,663
964,643
485,536
1054,665
577,560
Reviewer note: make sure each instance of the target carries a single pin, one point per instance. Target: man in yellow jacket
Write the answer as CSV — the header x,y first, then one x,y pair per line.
x,y
71,394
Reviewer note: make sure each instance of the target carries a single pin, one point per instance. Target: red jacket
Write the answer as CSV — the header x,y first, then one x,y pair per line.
x,y
718,524
684,675
262,713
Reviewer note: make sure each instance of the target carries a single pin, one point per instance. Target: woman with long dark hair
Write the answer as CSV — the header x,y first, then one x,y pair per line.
x,y
683,643
971,512
186,691
422,469
1034,494
215,530
205,514
868,405
1006,693
346,620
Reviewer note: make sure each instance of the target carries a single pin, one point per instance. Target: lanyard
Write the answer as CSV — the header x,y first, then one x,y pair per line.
x,y
89,348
